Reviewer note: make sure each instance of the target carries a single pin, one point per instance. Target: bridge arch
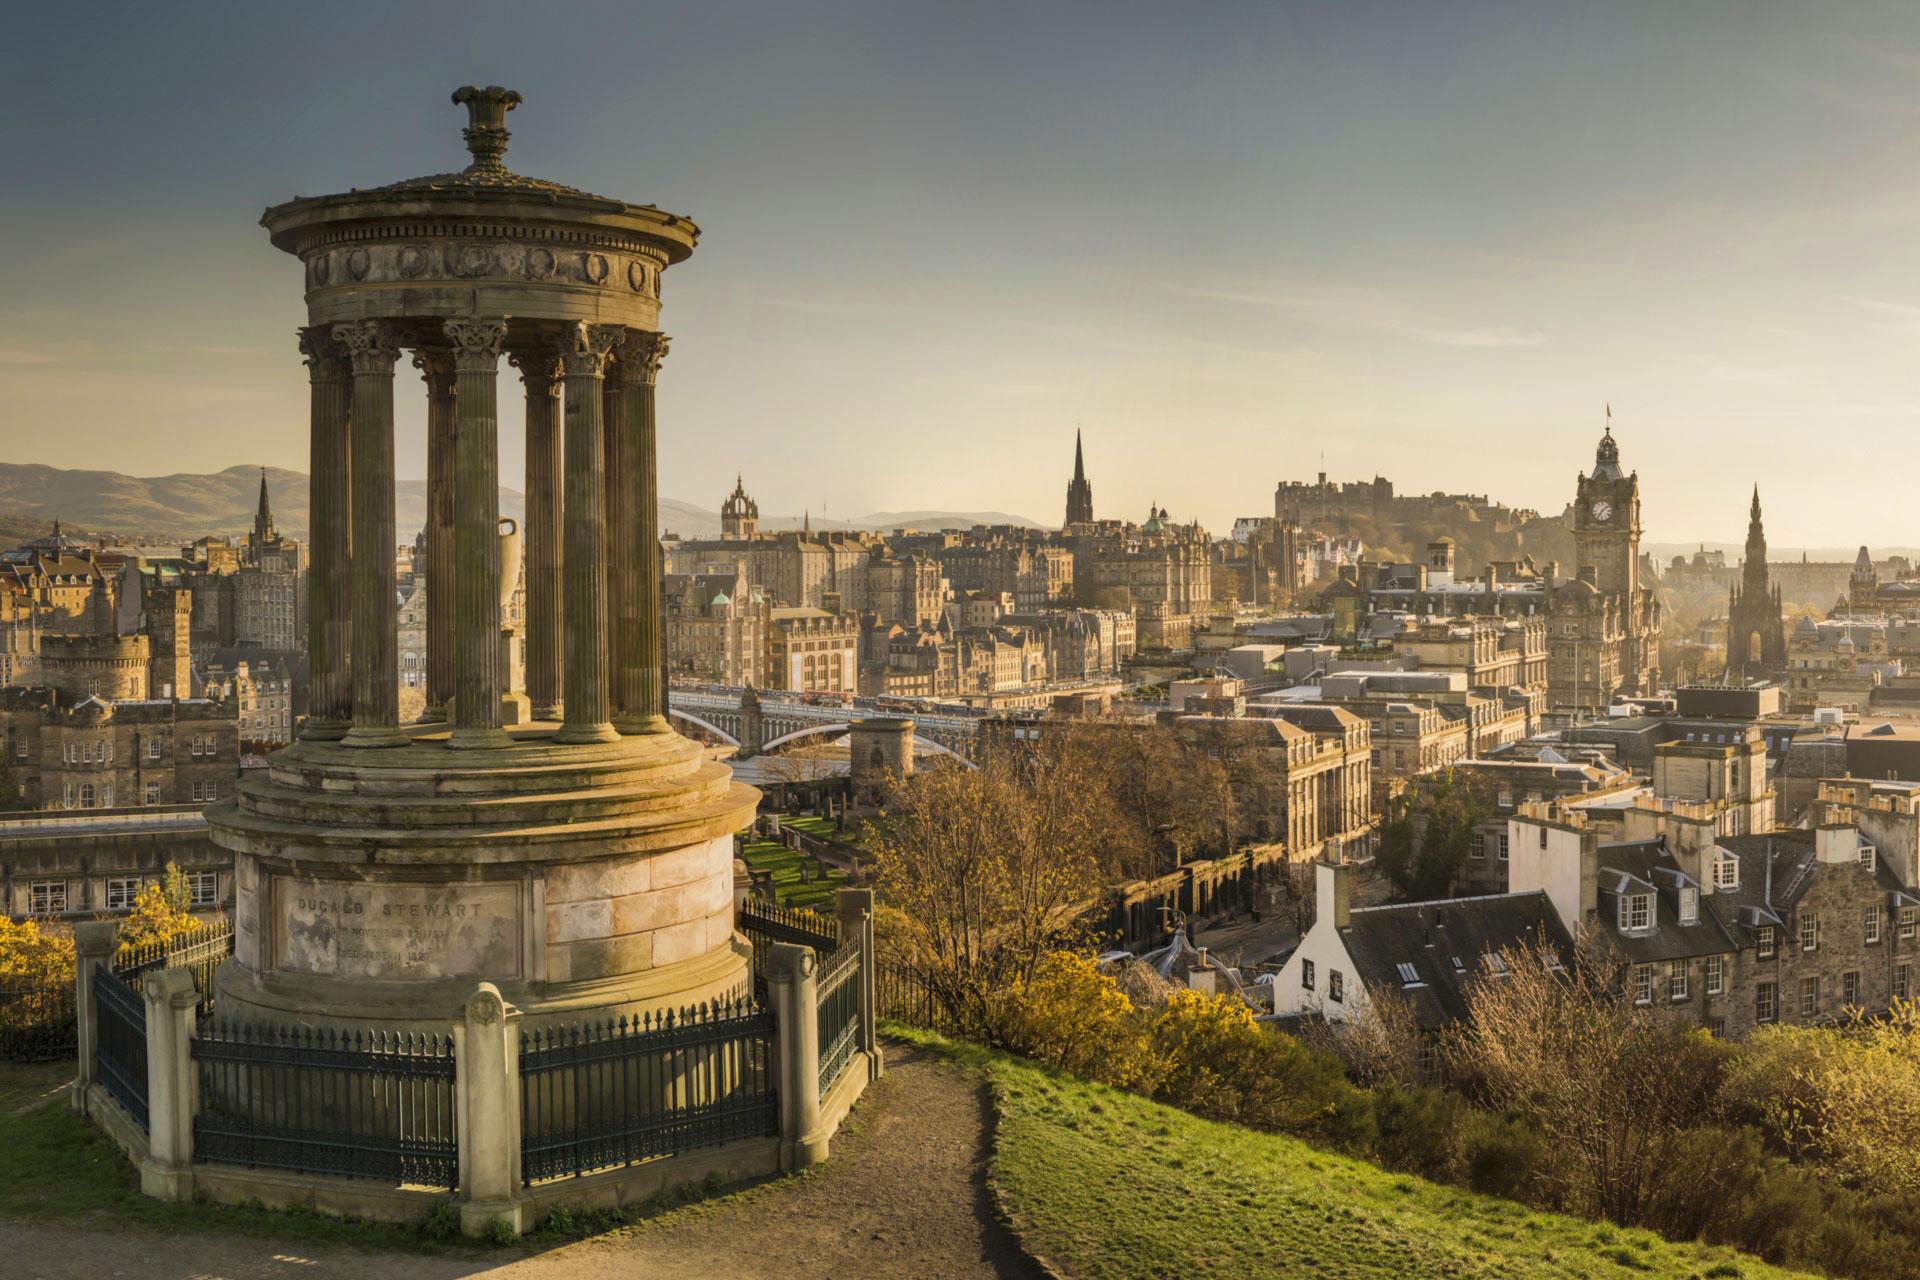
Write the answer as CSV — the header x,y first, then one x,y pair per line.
x,y
712,728
920,743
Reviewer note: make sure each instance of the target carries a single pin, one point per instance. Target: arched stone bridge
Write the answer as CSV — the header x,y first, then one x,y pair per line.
x,y
767,722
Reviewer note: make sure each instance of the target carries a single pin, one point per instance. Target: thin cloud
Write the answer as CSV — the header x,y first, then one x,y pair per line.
x,y
14,355
1373,312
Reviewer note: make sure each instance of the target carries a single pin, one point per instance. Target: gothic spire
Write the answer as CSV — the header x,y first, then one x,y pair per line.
x,y
1079,460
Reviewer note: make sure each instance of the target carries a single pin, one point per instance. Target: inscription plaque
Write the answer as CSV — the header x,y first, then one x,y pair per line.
x,y
352,929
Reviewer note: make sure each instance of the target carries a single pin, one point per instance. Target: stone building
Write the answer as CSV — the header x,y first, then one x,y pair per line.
x,y
1495,654
168,620
95,754
905,589
1731,932
813,651
718,628
111,667
1162,571
1756,627
261,690
80,866
1304,778
1839,662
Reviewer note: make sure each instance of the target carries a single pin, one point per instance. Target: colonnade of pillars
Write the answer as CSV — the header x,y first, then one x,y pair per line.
x,y
593,642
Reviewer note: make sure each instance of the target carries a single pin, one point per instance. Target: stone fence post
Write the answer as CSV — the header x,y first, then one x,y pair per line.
x,y
94,942
855,909
172,1018
796,1009
486,1046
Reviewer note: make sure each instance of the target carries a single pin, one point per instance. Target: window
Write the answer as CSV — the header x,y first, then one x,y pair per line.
x,y
1643,984
1902,981
1409,976
152,793
1809,931
1336,986
154,748
1867,856
1679,981
1635,911
1873,922
203,889
1764,941
121,891
1717,1028
1500,843
1766,1002
1716,975
1909,923
1459,965
86,795
1506,799
47,897
1689,905
1726,871
1496,964
1809,997
1306,975
1850,988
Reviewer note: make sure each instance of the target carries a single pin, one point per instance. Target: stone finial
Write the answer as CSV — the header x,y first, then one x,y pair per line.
x,y
486,132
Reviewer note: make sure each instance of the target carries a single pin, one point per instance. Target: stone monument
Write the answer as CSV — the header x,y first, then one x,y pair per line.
x,y
582,862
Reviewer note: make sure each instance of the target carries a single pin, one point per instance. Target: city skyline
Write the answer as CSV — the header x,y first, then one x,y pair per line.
x,y
1412,244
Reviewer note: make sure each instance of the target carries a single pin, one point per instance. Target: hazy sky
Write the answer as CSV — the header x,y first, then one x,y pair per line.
x,y
1425,240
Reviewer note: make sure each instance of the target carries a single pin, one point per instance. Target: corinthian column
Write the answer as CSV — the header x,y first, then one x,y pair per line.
x,y
436,369
584,349
541,372
477,585
373,347
329,579
639,686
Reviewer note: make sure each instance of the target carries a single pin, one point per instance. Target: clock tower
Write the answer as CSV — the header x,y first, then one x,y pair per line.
x,y
1606,522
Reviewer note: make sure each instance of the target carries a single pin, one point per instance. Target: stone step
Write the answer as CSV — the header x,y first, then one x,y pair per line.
x,y
606,799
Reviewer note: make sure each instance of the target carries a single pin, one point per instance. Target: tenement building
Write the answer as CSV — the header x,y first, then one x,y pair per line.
x,y
96,754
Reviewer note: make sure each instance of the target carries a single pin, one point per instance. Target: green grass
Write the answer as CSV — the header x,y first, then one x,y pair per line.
x,y
56,1167
785,864
1109,1186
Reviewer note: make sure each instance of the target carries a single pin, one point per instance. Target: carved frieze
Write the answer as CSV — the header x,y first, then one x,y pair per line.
x,y
469,259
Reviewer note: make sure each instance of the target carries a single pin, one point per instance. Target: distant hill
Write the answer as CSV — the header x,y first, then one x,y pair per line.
x,y
161,510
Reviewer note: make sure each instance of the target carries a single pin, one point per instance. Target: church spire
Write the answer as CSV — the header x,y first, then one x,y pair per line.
x,y
1079,491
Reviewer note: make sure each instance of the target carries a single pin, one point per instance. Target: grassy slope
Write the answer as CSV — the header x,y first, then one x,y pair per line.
x,y
785,863
1109,1186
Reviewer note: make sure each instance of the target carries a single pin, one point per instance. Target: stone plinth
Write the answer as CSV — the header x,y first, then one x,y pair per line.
x,y
581,880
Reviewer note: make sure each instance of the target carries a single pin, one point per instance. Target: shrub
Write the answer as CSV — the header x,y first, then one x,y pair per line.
x,y
1074,1017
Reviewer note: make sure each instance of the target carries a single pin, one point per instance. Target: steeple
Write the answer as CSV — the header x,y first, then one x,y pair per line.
x,y
263,532
1079,491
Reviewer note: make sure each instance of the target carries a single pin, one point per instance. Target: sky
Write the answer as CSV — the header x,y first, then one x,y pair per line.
x,y
1232,243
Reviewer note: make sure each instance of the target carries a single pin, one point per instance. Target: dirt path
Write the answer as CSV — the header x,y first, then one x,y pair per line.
x,y
904,1195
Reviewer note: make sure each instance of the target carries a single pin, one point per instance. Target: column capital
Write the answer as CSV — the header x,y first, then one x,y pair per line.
x,y
323,357
372,345
638,356
436,369
539,368
584,349
476,341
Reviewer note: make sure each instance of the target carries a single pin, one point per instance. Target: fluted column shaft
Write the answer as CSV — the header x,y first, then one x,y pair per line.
x,y
436,368
477,585
588,715
373,348
329,576
639,686
542,374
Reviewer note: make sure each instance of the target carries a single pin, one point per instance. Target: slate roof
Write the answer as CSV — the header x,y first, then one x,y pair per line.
x,y
1447,944
1645,866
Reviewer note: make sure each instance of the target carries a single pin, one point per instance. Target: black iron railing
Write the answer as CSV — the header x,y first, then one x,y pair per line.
x,y
900,993
202,951
765,924
364,1104
120,1042
838,992
600,1095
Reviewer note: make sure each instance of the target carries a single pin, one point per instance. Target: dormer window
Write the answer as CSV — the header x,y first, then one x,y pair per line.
x,y
1726,871
1689,905
1635,912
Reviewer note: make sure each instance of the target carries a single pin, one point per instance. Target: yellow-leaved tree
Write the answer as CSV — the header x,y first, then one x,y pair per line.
x,y
160,913
32,958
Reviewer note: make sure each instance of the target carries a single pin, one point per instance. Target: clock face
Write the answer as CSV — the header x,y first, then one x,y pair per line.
x,y
1602,510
